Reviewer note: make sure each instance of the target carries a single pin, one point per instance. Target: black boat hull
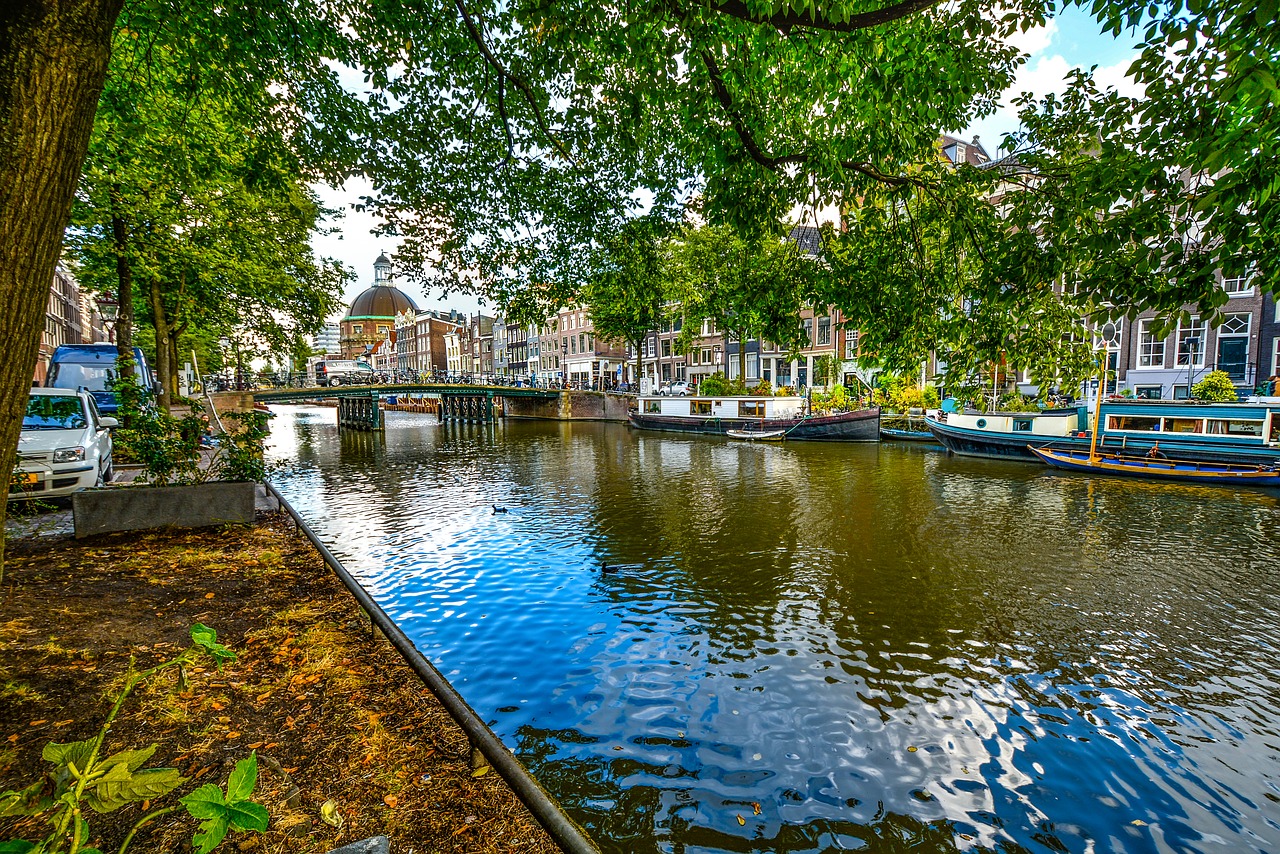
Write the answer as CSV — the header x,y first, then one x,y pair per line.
x,y
860,426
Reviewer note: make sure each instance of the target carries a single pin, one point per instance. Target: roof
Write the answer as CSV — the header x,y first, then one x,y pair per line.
x,y
380,302
957,150
382,259
808,238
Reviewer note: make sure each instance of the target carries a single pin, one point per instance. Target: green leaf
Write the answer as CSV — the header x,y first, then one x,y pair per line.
x,y
247,815
75,752
207,639
120,787
26,801
243,779
212,832
205,802
16,846
132,759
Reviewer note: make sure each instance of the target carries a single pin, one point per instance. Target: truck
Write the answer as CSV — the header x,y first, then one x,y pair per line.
x,y
92,367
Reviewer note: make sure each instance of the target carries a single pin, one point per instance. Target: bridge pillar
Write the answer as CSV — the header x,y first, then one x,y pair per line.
x,y
359,413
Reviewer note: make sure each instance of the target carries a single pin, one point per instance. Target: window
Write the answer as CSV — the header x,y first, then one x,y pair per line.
x,y
382,328
753,366
1191,343
699,407
1133,422
573,346
1022,425
1233,427
1238,285
808,329
693,358
708,327
357,329
653,406
1150,347
706,356
1275,357
582,342
751,409
824,331
1147,392
1182,425
1235,324
851,344
666,347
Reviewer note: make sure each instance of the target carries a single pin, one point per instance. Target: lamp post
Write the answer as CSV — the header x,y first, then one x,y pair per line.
x,y
1193,347
109,310
564,361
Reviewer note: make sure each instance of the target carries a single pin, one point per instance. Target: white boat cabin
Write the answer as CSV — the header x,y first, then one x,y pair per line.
x,y
1051,422
723,407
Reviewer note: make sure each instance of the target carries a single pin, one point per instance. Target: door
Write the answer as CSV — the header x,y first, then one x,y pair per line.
x,y
1232,357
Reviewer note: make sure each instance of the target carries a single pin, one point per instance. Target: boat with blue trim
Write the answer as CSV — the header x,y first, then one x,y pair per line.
x,y
1234,433
756,415
1158,468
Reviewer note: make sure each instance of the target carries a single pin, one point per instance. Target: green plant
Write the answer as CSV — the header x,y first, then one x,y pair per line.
x,y
81,780
715,385
240,455
1015,402
1216,387
764,387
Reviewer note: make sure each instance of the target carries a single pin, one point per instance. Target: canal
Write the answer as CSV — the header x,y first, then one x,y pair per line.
x,y
706,646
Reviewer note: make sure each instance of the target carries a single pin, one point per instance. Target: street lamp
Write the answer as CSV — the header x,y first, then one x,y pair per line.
x,y
109,310
1193,347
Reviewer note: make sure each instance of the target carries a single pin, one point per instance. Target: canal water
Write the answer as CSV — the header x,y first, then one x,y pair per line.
x,y
812,648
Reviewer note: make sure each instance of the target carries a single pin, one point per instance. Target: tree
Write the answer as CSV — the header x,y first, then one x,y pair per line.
x,y
1217,387
749,288
630,283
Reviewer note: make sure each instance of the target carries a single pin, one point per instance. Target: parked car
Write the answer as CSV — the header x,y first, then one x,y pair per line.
x,y
676,389
65,445
336,372
93,367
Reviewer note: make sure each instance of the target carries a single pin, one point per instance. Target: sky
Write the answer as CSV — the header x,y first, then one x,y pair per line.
x,y
1072,40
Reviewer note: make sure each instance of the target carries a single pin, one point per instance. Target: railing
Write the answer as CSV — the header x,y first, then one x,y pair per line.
x,y
486,747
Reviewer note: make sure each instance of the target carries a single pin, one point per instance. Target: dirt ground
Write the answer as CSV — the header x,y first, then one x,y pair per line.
x,y
333,714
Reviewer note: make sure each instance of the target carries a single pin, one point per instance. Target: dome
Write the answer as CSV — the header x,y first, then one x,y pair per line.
x,y
382,260
379,302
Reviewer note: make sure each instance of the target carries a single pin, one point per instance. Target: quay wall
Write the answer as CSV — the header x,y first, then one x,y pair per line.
x,y
572,406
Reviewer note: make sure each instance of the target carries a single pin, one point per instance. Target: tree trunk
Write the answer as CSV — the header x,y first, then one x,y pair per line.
x,y
742,356
164,357
175,358
53,62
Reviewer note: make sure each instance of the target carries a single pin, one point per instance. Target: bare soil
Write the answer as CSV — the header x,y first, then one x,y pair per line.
x,y
332,712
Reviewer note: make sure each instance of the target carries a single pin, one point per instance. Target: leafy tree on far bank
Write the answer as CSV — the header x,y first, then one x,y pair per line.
x,y
630,283
747,287
1216,387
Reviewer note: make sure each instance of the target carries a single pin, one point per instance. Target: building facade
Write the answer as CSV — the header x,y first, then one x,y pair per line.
x,y
64,321
372,314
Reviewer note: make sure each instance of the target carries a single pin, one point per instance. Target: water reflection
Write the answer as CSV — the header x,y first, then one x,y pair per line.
x,y
812,648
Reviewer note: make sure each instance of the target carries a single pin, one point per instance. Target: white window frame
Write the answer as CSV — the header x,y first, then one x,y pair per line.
x,y
1146,348
1199,329
1275,356
1239,286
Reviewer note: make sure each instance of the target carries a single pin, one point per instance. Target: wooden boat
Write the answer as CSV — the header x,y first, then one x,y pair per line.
x,y
905,428
755,414
1160,469
757,435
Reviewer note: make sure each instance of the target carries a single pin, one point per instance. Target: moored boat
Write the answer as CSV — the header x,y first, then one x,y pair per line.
x,y
1160,469
756,414
757,435
1236,433
905,428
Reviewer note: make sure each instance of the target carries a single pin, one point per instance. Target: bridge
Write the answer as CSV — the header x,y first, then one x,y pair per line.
x,y
358,404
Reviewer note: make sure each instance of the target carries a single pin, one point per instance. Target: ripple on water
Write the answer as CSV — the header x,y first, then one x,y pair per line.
x,y
822,648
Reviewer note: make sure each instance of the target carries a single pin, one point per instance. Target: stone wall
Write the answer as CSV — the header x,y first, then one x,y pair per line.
x,y
572,406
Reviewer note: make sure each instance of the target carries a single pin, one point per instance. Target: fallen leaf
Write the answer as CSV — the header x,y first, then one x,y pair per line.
x,y
233,734
912,749
742,821
1137,822
481,771
755,807
38,723
391,801
329,813
208,595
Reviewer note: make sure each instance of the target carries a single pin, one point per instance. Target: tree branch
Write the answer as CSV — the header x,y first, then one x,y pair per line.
x,y
786,19
771,162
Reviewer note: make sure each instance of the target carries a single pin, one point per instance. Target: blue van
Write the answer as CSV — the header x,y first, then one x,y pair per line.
x,y
92,367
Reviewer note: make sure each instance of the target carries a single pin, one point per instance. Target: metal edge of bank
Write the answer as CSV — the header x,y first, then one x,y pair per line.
x,y
567,833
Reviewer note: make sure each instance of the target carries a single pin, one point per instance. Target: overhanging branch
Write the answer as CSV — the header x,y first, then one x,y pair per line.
x,y
787,19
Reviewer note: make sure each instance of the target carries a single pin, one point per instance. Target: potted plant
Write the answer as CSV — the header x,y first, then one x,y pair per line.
x,y
189,479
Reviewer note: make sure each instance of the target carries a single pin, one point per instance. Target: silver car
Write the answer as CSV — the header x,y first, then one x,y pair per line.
x,y
65,445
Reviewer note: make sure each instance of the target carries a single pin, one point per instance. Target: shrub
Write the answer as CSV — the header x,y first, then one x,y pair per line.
x,y
764,387
1216,387
715,385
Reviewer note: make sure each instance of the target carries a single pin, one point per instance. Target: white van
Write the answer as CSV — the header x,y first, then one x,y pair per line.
x,y
336,372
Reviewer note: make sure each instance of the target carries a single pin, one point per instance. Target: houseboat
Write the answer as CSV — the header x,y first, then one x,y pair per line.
x,y
719,415
1234,433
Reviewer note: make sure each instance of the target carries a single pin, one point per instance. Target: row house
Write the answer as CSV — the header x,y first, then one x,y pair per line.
x,y
517,341
420,339
67,320
477,345
659,361
1155,362
585,360
500,356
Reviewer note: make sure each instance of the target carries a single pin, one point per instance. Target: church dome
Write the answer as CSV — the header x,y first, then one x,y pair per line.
x,y
380,302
